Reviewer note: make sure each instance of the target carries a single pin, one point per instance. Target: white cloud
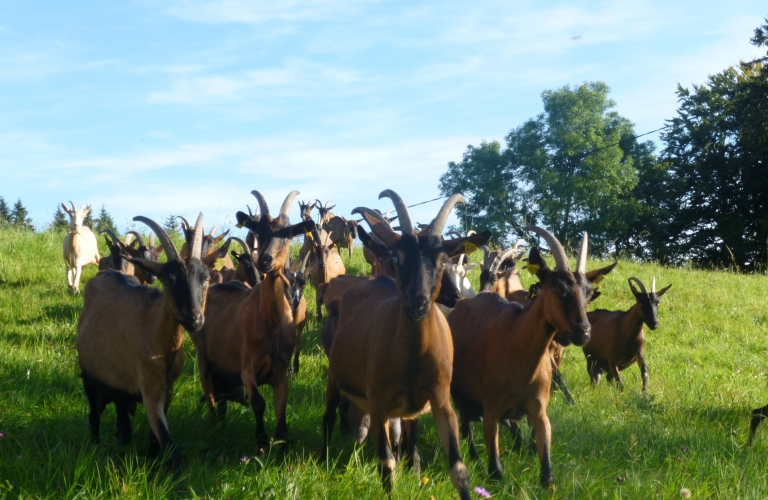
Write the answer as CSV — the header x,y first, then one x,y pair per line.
x,y
260,11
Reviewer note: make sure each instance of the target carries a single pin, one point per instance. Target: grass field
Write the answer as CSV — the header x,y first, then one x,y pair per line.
x,y
707,368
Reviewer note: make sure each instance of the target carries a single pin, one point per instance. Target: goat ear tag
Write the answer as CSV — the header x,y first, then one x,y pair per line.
x,y
239,225
219,264
533,268
599,280
469,248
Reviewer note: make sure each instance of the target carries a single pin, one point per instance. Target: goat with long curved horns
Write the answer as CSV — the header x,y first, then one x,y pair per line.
x,y
129,338
392,354
502,366
249,334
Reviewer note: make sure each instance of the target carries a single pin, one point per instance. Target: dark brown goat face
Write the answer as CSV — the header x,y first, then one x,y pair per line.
x,y
274,238
564,294
245,261
419,265
299,282
145,252
649,305
306,210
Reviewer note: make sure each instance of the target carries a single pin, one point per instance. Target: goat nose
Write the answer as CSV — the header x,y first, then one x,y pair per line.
x,y
199,320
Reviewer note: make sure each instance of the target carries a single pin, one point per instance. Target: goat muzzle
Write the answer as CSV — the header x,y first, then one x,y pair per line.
x,y
417,308
580,334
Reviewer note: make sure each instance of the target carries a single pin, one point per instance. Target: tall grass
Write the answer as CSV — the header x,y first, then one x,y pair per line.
x,y
707,372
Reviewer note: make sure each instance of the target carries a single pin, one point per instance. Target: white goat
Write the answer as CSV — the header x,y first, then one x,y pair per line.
x,y
458,274
80,247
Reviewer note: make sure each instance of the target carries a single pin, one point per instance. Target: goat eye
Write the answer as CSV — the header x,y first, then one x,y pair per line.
x,y
395,259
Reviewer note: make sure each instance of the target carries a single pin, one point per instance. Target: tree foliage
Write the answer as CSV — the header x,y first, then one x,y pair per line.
x,y
5,212
60,221
104,221
171,225
19,216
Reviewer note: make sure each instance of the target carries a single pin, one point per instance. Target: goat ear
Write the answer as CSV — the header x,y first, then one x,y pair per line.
x,y
210,260
300,228
155,268
536,263
65,208
159,249
663,290
467,244
598,275
220,237
243,219
595,295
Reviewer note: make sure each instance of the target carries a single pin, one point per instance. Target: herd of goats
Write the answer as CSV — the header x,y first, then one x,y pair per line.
x,y
392,355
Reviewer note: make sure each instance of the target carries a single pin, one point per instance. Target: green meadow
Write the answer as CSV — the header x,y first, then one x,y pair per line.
x,y
707,367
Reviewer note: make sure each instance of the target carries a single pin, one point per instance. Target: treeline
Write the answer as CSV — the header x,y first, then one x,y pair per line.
x,y
579,166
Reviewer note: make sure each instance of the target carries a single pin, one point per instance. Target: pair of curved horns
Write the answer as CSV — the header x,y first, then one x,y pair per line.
x,y
243,244
510,252
115,239
561,261
138,238
284,209
165,240
642,287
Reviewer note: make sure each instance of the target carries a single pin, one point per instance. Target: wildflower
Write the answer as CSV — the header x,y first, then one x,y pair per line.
x,y
221,458
424,481
245,459
684,449
685,493
482,492
2,435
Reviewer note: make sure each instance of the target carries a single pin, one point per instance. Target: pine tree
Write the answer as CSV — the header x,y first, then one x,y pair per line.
x,y
19,217
60,221
88,220
5,212
171,225
105,221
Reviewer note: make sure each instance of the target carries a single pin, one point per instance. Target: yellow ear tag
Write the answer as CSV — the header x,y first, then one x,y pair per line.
x,y
469,248
308,235
219,264
533,268
599,279
239,225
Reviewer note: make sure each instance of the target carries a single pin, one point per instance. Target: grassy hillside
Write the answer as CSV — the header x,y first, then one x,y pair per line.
x,y
707,368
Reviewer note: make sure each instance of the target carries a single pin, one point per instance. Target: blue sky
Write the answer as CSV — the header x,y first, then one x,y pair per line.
x,y
154,107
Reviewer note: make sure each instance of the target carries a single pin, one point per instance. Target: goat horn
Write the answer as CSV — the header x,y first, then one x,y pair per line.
x,y
327,203
517,244
262,202
73,206
197,239
213,230
653,285
304,262
639,283
250,213
439,223
501,258
461,259
138,237
402,211
184,223
486,253
380,228
165,240
286,208
471,232
115,239
581,267
242,244
561,261
454,233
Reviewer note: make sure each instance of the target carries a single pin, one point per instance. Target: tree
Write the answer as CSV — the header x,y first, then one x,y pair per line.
x,y
88,220
19,217
717,148
571,168
60,221
171,225
105,221
484,177
5,212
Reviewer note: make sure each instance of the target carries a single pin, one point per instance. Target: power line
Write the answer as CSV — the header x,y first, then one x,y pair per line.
x,y
587,153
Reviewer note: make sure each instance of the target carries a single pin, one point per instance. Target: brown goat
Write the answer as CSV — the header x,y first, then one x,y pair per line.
x,y
209,244
249,334
328,265
502,364
298,281
618,339
129,338
392,354
246,267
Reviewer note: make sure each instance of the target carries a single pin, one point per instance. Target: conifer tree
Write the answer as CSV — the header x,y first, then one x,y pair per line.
x,y
19,216
105,221
60,221
171,225
5,212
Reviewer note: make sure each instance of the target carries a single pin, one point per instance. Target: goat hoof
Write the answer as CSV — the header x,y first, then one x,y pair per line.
x,y
495,474
548,481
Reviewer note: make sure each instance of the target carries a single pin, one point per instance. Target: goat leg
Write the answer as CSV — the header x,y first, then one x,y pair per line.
x,y
162,441
387,462
124,432
543,433
280,398
466,432
644,372
758,415
411,451
332,398
616,376
94,415
259,406
448,426
559,381
594,371
516,431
